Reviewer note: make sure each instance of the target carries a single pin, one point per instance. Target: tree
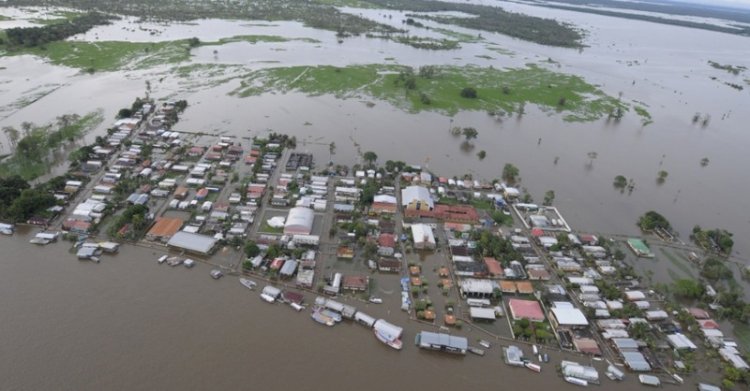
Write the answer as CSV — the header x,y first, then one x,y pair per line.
x,y
251,249
470,133
549,197
370,157
510,173
469,93
662,176
620,182
688,289
592,155
481,154
12,134
704,162
652,220
640,330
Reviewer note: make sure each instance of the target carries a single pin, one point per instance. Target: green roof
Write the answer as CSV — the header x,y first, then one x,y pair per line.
x,y
639,247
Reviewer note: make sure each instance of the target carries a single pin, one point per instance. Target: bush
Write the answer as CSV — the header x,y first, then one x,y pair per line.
x,y
469,93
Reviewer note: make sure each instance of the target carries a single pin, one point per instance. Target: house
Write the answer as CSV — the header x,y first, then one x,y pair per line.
x,y
164,229
389,265
423,237
355,283
416,198
386,244
526,309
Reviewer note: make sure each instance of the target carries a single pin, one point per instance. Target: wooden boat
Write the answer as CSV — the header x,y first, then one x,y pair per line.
x,y
576,381
477,351
249,284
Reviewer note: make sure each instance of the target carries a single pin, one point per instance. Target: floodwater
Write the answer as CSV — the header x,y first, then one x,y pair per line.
x,y
665,67
131,324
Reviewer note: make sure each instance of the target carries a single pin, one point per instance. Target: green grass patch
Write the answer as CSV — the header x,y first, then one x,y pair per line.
x,y
347,3
532,85
5,18
674,275
644,114
482,204
115,55
265,228
677,262
461,37
742,333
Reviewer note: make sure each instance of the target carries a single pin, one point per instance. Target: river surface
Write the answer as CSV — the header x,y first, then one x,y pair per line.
x,y
131,324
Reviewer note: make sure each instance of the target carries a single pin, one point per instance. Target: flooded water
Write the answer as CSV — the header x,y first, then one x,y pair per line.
x,y
131,324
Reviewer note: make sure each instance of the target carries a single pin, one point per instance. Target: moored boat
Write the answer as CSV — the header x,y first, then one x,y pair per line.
x,y
385,338
484,344
321,318
174,261
534,367
162,259
267,297
331,314
216,274
249,284
477,351
576,381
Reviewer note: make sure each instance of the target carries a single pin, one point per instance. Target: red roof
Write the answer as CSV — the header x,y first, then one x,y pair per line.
x,y
387,240
457,213
494,267
526,309
699,313
708,324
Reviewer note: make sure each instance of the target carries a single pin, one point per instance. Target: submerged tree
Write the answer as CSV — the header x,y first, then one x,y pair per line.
x,y
370,157
662,177
549,197
510,173
620,182
704,162
481,154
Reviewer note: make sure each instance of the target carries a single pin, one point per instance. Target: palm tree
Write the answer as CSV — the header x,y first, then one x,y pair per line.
x,y
370,157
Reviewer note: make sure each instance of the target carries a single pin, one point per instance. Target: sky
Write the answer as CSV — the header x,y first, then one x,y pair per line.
x,y
745,4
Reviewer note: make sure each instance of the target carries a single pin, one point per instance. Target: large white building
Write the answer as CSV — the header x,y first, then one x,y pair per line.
x,y
423,237
299,221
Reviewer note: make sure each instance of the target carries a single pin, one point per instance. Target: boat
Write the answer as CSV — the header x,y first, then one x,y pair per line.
x,y
249,284
545,357
6,229
297,307
376,300
576,381
484,344
540,357
267,297
649,380
162,259
384,338
216,274
534,367
534,349
331,314
39,241
174,261
477,351
320,318
189,263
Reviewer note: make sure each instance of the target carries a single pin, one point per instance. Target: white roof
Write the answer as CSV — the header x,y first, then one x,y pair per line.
x,y
385,198
192,242
570,317
482,313
422,233
478,286
300,220
635,295
680,341
416,193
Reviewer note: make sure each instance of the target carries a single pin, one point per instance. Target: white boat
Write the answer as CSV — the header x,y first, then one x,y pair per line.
x,y
174,261
534,349
484,344
534,367
189,263
216,274
576,381
162,259
320,318
267,298
249,284
6,229
376,300
297,307
649,380
477,351
394,343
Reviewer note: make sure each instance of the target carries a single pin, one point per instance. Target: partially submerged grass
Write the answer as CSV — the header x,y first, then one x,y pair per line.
x,y
532,85
347,3
644,114
115,55
460,37
677,262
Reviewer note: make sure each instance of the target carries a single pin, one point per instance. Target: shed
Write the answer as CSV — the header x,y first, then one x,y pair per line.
x,y
192,242
482,313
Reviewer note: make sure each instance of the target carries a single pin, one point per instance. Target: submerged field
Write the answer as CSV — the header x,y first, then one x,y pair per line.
x,y
500,91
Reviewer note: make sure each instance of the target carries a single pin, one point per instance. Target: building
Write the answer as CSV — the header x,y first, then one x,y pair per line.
x,y
457,213
355,283
494,268
383,203
386,244
389,265
190,242
417,198
640,248
299,221
423,237
568,317
164,229
526,309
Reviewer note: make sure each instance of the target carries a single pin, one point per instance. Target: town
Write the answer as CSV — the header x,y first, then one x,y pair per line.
x,y
476,268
